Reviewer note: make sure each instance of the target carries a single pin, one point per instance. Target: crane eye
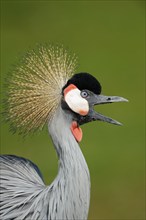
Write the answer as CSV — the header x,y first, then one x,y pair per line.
x,y
84,94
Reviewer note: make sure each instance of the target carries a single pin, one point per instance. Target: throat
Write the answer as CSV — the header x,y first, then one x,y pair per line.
x,y
74,181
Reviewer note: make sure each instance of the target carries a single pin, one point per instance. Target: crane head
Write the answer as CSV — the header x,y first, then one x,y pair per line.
x,y
80,94
41,81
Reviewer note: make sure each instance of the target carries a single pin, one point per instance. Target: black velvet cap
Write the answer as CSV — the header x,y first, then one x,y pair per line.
x,y
85,81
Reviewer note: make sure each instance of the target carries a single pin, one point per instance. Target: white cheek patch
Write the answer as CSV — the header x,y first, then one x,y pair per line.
x,y
76,102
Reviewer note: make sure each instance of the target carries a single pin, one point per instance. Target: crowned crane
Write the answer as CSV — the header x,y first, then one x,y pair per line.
x,y
43,89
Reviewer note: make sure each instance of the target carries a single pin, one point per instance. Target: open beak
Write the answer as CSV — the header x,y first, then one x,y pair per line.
x,y
93,115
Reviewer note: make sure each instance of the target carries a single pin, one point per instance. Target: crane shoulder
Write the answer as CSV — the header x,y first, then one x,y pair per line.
x,y
20,184
20,167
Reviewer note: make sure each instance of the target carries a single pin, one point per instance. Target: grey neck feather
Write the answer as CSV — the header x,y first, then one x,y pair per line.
x,y
70,191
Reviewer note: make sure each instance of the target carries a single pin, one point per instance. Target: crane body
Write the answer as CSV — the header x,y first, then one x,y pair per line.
x,y
43,90
70,189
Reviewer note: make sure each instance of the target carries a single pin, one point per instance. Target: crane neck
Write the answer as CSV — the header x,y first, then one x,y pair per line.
x,y
66,146
73,176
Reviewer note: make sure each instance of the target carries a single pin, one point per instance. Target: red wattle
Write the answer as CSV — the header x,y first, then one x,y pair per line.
x,y
76,131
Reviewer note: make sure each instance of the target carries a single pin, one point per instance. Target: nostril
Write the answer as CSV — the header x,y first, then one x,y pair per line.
x,y
109,99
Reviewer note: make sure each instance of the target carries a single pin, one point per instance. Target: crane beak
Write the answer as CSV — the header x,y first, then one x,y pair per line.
x,y
93,115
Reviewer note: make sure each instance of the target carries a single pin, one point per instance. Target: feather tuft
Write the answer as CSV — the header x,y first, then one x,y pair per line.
x,y
35,86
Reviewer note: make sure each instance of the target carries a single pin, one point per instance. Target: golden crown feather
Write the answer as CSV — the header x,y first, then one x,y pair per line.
x,y
35,86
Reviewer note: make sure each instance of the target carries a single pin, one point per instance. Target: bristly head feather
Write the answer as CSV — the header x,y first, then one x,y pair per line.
x,y
35,85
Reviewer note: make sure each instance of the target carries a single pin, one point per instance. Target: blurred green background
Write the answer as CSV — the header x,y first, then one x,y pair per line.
x,y
108,37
